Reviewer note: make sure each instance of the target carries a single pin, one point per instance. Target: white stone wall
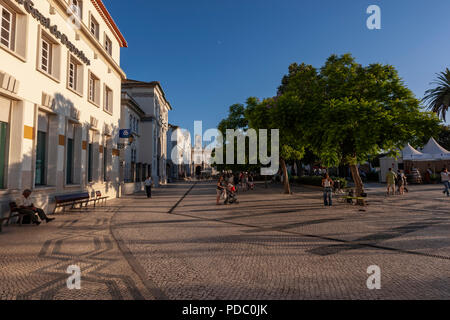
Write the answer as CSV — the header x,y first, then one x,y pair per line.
x,y
29,98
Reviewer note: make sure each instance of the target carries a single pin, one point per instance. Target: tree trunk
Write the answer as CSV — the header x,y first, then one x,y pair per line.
x,y
287,187
359,186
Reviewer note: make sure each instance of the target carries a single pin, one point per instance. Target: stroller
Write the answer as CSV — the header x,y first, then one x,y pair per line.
x,y
231,194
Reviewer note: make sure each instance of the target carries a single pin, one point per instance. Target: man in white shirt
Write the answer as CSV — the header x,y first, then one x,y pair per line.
x,y
148,186
445,178
25,203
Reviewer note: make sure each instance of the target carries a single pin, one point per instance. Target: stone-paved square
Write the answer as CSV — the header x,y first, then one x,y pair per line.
x,y
269,246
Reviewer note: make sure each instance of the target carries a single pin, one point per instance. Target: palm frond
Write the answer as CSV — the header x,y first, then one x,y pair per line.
x,y
437,99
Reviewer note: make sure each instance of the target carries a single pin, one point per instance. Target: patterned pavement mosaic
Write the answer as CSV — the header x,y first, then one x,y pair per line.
x,y
180,245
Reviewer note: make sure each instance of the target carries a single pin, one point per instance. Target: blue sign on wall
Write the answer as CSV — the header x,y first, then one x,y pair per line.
x,y
125,133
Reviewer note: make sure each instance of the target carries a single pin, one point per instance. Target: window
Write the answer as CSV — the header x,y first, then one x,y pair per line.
x,y
70,154
41,148
90,162
7,26
94,27
108,45
105,163
3,134
91,88
46,56
77,7
69,161
94,89
49,52
75,75
72,75
108,100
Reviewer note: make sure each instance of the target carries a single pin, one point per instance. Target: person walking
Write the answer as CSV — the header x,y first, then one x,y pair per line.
x,y
251,181
327,184
401,181
390,178
148,186
220,189
445,178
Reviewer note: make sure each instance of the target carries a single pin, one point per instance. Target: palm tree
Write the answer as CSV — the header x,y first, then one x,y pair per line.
x,y
438,99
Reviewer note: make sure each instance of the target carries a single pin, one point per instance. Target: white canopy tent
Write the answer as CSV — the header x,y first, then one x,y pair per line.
x,y
432,151
436,151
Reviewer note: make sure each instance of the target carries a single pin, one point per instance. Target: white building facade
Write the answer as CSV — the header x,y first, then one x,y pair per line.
x,y
60,96
135,167
154,126
201,158
179,152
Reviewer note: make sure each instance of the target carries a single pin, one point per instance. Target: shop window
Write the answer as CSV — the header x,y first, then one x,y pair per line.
x,y
40,178
69,162
105,163
90,167
41,151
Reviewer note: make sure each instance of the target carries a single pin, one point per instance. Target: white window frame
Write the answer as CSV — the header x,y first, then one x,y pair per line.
x,y
91,88
73,75
11,30
94,89
47,68
79,5
94,27
108,100
108,48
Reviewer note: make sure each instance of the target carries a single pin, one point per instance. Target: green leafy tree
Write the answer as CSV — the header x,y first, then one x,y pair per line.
x,y
444,137
354,112
438,98
235,120
270,114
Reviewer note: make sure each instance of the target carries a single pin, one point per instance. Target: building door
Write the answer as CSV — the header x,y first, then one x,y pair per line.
x,y
105,163
69,165
90,162
3,134
41,148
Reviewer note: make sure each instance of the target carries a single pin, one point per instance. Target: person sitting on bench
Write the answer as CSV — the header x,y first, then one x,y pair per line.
x,y
24,203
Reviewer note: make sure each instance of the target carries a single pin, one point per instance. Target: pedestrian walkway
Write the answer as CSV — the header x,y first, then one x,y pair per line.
x,y
180,245
34,260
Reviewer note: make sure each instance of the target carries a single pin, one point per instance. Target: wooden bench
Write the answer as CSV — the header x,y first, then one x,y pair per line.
x,y
81,199
73,199
351,198
14,212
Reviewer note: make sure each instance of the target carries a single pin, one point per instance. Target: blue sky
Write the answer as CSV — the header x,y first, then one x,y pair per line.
x,y
210,54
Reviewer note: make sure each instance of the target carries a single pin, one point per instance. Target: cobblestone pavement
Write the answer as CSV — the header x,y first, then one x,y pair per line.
x,y
269,246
